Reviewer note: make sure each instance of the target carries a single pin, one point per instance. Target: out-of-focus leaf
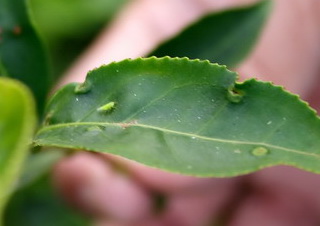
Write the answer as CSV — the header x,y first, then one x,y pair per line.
x,y
68,27
21,52
224,37
17,123
38,204
38,164
62,18
185,116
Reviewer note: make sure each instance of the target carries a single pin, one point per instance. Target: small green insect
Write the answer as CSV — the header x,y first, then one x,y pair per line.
x,y
107,107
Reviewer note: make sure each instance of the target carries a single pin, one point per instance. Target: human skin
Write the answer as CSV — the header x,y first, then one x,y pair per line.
x,y
287,54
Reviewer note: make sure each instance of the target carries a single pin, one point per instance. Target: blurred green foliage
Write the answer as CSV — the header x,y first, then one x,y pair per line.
x,y
68,26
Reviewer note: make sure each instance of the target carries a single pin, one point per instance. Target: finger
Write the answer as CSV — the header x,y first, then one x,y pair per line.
x,y
189,200
91,184
283,196
168,183
198,208
188,208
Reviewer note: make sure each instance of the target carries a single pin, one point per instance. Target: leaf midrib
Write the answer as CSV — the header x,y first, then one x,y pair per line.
x,y
191,135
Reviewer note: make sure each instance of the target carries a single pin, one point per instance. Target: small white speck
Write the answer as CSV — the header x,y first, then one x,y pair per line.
x,y
117,70
268,123
212,100
237,151
144,111
179,120
193,138
134,94
77,99
199,117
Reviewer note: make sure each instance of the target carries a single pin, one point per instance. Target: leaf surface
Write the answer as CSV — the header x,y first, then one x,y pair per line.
x,y
17,122
224,37
21,52
185,116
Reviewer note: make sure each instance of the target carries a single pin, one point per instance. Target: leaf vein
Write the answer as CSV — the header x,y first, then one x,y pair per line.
x,y
191,135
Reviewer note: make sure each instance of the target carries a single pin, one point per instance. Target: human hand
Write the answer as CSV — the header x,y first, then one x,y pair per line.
x,y
287,54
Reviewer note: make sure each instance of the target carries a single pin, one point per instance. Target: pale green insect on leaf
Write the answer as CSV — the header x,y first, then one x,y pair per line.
x,y
107,107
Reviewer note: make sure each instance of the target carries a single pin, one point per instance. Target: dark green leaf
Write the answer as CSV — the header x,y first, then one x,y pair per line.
x,y
21,52
184,116
17,122
39,164
224,37
38,204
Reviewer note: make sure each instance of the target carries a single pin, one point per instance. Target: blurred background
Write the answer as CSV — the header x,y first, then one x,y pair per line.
x,y
67,27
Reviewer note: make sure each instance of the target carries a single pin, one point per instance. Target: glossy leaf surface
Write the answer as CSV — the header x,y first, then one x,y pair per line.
x,y
17,122
21,52
184,116
224,37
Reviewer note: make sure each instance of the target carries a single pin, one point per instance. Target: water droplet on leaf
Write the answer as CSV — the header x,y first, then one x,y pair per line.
x,y
260,151
95,129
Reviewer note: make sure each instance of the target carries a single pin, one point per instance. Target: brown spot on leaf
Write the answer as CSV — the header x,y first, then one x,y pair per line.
x,y
17,30
126,125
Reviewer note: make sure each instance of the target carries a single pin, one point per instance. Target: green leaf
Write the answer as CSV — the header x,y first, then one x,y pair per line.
x,y
38,204
61,21
17,122
39,164
62,18
21,52
185,116
224,37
